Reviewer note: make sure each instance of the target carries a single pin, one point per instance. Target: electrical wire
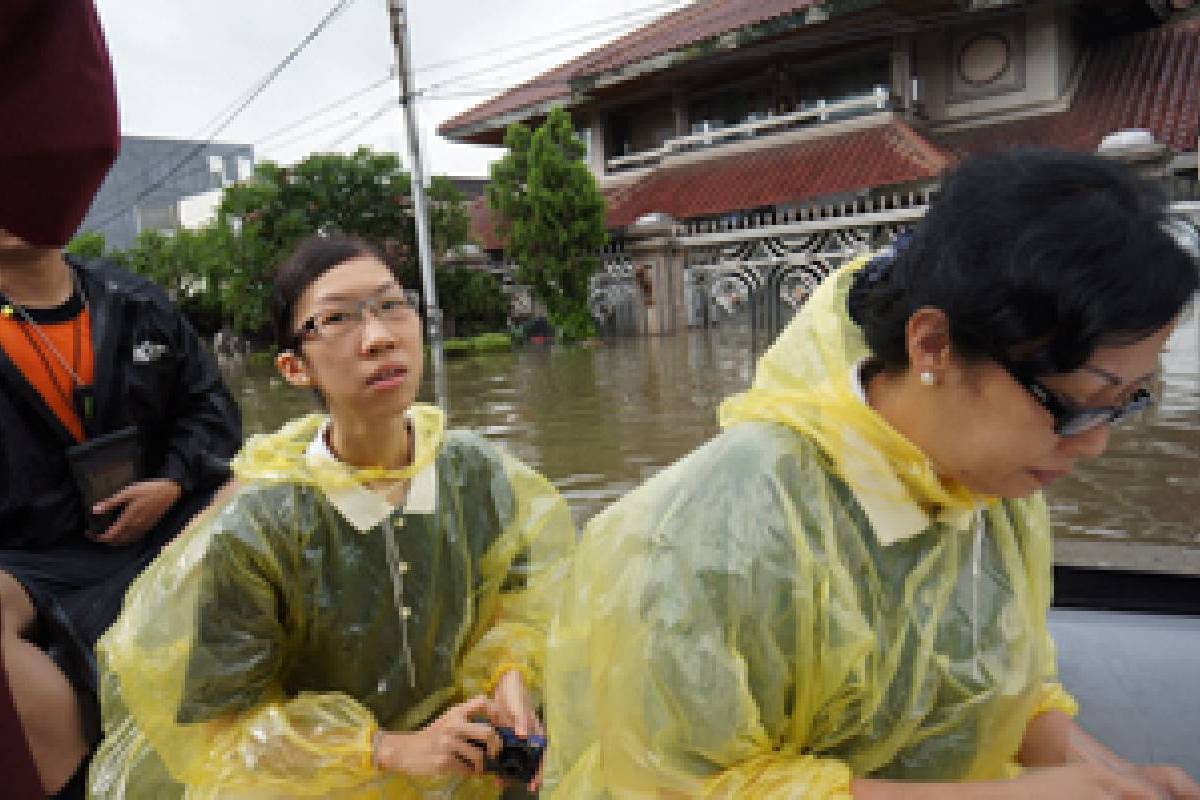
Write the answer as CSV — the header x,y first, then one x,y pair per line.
x,y
626,16
238,109
631,17
294,124
390,105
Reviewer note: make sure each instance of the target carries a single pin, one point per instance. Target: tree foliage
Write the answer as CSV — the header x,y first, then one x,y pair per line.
x,y
366,194
552,216
222,273
474,300
89,244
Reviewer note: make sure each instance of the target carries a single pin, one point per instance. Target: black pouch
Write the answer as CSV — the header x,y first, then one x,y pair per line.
x,y
102,467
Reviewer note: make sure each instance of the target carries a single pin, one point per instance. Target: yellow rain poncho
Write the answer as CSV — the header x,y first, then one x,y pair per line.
x,y
798,602
258,656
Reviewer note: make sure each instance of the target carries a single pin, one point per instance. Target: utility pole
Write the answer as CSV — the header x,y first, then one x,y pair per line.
x,y
433,313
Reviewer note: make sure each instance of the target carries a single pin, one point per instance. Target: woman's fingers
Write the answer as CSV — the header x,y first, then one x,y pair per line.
x,y
514,709
481,734
1129,787
468,754
505,715
477,708
1172,779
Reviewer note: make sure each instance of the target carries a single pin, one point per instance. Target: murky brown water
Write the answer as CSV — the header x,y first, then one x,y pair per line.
x,y
598,421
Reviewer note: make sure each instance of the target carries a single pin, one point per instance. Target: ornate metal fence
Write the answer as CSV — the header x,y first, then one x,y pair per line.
x,y
756,269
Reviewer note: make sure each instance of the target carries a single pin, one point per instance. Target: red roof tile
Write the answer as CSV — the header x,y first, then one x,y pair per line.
x,y
888,154
1148,80
703,20
483,225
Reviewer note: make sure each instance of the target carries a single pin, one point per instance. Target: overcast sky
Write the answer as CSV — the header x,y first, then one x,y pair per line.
x,y
180,63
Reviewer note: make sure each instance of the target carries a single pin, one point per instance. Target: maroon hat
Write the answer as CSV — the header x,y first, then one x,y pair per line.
x,y
59,133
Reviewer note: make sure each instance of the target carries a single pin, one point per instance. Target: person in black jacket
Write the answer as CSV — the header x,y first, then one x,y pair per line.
x,y
88,352
150,377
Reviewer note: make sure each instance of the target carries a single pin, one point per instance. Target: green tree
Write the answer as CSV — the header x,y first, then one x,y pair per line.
x,y
365,194
221,274
474,300
87,245
190,265
552,216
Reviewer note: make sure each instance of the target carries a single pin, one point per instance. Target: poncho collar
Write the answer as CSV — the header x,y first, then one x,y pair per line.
x,y
806,381
280,457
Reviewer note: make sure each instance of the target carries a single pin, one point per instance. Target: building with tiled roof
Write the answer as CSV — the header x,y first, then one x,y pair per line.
x,y
748,124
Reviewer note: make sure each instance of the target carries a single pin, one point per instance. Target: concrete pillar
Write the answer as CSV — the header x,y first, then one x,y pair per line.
x,y
596,162
679,108
658,273
902,72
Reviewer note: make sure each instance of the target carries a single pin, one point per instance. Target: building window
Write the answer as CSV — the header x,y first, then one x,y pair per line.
x,y
161,218
216,171
1184,186
796,87
245,168
620,135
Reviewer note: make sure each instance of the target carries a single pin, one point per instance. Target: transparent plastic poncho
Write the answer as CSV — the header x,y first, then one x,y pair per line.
x,y
798,602
258,656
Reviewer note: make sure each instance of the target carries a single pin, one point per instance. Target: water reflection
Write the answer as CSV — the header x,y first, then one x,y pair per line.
x,y
599,421
1147,485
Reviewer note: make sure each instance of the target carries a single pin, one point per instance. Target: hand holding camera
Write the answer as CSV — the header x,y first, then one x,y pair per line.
x,y
515,714
519,759
500,735
454,743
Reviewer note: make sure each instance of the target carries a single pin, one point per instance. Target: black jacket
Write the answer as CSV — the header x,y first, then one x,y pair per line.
x,y
151,371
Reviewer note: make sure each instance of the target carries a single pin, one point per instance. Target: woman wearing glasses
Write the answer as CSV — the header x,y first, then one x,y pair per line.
x,y
844,594
364,607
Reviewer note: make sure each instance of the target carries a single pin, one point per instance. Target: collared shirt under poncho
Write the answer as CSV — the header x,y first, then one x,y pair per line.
x,y
798,602
258,656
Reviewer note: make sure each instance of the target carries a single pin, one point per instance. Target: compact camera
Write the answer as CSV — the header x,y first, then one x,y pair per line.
x,y
518,759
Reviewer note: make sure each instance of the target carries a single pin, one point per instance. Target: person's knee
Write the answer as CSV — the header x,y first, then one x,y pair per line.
x,y
16,609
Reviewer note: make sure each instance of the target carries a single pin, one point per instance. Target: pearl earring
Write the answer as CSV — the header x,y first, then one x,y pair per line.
x,y
928,378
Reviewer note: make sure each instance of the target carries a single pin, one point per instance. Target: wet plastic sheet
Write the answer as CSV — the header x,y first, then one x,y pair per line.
x,y
258,656
798,602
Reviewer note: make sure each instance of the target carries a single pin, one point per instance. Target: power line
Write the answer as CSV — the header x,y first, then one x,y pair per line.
x,y
565,80
526,56
223,118
319,129
291,126
390,105
244,97
252,95
631,17
626,16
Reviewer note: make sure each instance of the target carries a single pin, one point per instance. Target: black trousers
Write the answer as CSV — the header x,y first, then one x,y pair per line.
x,y
77,589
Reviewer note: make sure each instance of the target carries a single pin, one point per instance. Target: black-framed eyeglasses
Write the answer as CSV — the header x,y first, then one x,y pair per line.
x,y
391,305
1073,420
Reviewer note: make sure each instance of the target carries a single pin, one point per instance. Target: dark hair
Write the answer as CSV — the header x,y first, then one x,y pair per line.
x,y
1053,251
312,258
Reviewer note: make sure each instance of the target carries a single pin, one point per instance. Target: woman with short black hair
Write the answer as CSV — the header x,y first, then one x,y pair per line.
x,y
845,592
365,609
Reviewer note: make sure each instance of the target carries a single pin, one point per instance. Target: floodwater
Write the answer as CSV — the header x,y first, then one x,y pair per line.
x,y
598,421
